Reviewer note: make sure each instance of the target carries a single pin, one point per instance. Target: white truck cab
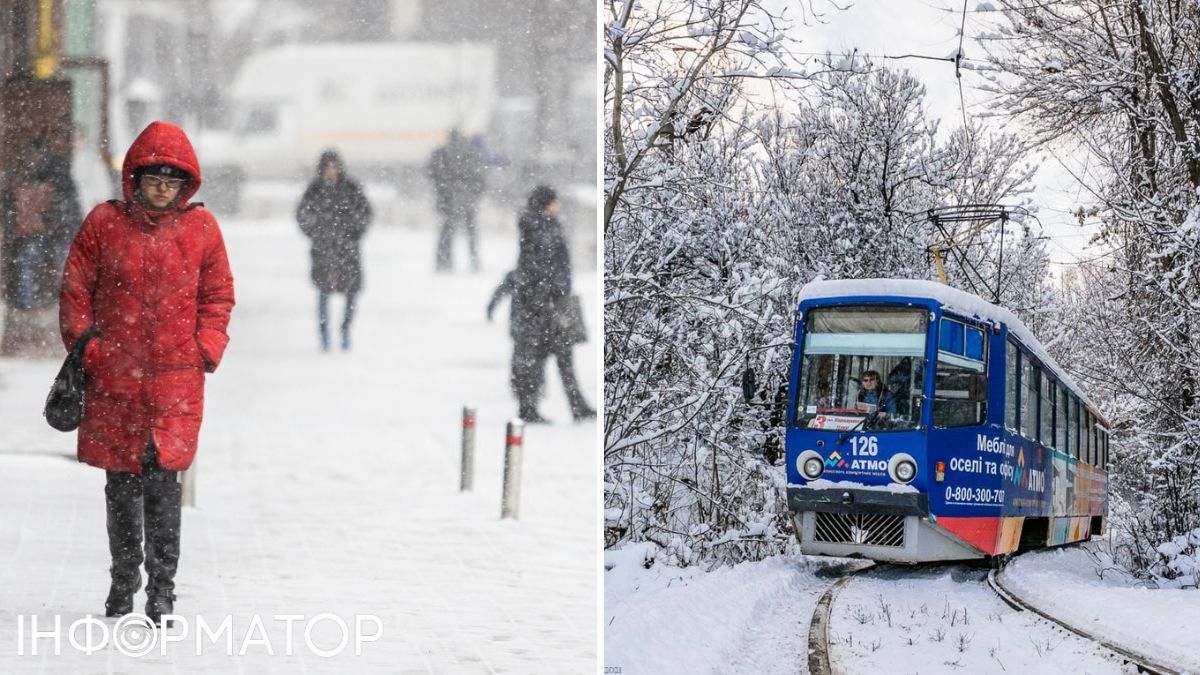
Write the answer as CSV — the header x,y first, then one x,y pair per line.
x,y
384,106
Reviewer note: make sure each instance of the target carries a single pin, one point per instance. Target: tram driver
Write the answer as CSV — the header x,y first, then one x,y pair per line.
x,y
872,395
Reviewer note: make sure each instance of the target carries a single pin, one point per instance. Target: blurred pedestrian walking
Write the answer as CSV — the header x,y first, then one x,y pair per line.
x,y
543,322
150,273
334,213
41,214
456,170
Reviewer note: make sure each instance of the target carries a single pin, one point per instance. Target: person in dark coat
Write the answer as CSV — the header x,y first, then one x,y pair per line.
x,y
40,216
540,298
456,170
334,213
151,274
506,287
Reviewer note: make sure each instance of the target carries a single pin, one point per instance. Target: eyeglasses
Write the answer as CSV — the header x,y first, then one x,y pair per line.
x,y
868,378
156,182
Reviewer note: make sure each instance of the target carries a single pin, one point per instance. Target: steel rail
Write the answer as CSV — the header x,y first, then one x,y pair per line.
x,y
1144,663
818,629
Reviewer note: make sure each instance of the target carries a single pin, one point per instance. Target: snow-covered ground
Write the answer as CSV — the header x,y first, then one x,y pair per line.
x,y
751,618
1065,583
329,483
754,617
946,619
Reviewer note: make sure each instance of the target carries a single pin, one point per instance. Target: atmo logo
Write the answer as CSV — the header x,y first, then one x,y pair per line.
x,y
133,635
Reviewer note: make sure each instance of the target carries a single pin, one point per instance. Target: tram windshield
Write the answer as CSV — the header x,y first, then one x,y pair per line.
x,y
863,368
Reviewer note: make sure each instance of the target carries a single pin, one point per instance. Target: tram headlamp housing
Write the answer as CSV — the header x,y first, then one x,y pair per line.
x,y
810,464
902,468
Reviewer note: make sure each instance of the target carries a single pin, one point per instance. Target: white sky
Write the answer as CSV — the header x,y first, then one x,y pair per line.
x,y
930,27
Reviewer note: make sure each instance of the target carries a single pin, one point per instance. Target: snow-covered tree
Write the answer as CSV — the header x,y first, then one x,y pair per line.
x,y
659,57
1121,80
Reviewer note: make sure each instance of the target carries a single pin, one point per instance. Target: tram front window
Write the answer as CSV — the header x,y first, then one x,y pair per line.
x,y
844,349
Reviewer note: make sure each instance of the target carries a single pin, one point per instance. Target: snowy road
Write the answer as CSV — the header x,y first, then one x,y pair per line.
x,y
328,483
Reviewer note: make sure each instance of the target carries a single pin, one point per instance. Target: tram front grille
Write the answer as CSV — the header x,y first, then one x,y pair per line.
x,y
863,529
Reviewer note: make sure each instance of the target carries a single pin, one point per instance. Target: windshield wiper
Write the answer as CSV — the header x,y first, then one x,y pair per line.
x,y
867,421
864,424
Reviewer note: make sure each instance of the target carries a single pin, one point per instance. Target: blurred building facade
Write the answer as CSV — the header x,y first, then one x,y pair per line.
x,y
43,82
175,59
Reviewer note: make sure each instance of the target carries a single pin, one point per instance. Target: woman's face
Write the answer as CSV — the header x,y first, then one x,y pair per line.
x,y
159,191
869,382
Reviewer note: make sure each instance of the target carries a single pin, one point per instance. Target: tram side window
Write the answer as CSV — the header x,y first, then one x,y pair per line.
x,y
960,388
1012,385
1063,421
1075,431
1090,436
1029,401
1047,429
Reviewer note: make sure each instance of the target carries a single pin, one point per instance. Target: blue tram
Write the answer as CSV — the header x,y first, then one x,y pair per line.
x,y
925,423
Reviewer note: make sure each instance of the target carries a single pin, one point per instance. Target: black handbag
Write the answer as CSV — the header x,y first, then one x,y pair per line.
x,y
571,328
64,404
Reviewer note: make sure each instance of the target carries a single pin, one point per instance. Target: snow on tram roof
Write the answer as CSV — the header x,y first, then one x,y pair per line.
x,y
953,299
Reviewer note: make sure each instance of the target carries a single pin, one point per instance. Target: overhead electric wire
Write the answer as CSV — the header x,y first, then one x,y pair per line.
x,y
958,57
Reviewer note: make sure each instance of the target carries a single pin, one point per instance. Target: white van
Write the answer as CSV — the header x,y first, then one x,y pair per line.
x,y
384,106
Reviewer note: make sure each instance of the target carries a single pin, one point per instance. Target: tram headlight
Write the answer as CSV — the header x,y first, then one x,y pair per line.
x,y
902,468
810,464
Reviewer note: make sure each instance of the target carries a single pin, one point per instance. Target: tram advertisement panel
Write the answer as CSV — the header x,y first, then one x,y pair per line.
x,y
987,472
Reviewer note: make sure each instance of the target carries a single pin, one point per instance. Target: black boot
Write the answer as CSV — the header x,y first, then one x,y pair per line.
x,y
531,416
162,496
123,498
323,319
580,409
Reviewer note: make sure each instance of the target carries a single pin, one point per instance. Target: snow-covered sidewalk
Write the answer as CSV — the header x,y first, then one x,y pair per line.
x,y
329,484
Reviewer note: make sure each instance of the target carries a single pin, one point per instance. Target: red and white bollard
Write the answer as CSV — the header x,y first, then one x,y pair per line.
x,y
467,472
188,479
513,442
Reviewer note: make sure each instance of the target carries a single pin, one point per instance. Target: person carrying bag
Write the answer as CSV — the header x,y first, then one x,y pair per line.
x,y
64,404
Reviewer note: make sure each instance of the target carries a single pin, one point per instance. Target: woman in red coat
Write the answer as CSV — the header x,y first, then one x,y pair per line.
x,y
151,274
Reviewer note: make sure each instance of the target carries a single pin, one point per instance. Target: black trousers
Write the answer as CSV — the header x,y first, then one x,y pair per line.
x,y
529,373
452,218
145,507
323,317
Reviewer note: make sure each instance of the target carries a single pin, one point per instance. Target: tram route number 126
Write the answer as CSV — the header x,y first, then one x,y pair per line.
x,y
864,446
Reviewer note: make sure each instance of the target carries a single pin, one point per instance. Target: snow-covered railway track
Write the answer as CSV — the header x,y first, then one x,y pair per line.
x,y
819,662
952,617
1144,663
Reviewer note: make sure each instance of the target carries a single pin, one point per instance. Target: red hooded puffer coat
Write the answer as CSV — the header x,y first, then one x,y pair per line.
x,y
157,285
